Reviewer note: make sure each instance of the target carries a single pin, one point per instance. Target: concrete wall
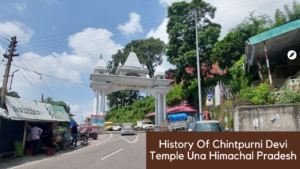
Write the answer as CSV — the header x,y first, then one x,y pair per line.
x,y
259,118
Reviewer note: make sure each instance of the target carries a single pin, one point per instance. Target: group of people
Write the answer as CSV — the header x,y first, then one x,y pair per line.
x,y
33,137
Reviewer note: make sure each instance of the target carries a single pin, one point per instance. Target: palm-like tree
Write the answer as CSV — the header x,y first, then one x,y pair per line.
x,y
49,100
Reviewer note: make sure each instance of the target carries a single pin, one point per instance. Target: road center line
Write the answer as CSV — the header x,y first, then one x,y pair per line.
x,y
112,154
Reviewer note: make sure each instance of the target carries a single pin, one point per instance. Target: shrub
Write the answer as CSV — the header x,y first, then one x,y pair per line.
x,y
290,97
262,94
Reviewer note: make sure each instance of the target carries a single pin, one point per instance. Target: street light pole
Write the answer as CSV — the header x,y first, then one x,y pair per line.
x,y
198,71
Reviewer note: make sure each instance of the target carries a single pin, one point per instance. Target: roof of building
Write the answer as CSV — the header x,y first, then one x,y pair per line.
x,y
178,109
278,41
132,62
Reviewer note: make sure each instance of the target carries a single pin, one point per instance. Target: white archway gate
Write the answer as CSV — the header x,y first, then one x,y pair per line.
x,y
130,76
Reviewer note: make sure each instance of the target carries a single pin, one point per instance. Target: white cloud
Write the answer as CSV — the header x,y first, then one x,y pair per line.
x,y
166,3
133,26
75,66
20,6
99,43
160,32
20,30
75,107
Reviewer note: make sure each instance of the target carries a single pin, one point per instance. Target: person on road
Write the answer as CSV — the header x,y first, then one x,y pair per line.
x,y
35,139
74,132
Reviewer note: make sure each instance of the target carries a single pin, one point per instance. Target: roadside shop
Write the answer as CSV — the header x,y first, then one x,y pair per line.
x,y
17,119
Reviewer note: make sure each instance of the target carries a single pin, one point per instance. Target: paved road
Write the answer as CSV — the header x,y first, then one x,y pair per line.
x,y
112,151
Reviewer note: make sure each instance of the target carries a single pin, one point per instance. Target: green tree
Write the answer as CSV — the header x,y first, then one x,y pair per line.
x,y
181,50
288,15
49,100
12,93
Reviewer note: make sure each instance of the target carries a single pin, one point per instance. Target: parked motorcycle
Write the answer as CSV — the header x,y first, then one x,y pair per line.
x,y
83,136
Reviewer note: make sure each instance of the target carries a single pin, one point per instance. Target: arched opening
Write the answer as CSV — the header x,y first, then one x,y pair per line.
x,y
132,74
128,106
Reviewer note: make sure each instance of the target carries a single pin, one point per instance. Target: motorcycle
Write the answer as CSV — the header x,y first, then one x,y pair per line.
x,y
83,136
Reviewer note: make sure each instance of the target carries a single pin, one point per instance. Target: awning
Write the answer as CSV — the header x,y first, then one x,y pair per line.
x,y
177,117
60,113
278,40
21,109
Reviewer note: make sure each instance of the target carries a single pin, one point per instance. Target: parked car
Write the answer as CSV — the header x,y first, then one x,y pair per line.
x,y
208,125
127,128
117,127
191,125
93,134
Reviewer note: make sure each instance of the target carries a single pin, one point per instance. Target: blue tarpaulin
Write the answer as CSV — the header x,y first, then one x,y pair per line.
x,y
177,117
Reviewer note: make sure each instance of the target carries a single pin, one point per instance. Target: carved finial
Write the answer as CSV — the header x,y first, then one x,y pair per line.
x,y
131,48
101,56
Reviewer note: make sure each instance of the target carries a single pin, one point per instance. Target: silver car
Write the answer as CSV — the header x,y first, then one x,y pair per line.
x,y
208,125
127,128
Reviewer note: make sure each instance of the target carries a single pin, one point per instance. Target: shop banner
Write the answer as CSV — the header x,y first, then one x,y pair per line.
x,y
97,120
60,113
21,109
209,101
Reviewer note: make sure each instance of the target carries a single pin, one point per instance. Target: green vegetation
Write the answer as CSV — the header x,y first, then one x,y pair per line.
x,y
290,97
131,113
181,50
12,93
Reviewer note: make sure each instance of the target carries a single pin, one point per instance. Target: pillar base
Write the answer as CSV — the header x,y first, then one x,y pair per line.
x,y
157,128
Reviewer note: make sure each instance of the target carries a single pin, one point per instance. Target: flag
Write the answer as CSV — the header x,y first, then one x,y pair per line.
x,y
42,98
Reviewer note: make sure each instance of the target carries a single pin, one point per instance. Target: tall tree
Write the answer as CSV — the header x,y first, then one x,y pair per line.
x,y
181,50
288,15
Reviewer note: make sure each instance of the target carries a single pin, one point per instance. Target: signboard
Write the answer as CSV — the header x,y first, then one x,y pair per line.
x,y
132,87
97,120
60,113
21,109
209,101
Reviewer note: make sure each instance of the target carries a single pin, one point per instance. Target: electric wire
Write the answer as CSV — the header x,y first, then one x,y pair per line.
x,y
113,26
33,47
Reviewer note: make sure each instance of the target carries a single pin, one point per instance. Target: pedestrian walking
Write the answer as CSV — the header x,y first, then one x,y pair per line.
x,y
35,139
74,132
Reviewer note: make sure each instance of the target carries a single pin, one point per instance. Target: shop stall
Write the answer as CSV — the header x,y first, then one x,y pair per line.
x,y
25,114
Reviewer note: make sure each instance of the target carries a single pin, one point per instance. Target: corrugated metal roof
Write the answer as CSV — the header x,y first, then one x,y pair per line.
x,y
275,32
21,109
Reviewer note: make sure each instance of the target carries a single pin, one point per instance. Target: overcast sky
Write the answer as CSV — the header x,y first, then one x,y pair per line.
x,y
64,39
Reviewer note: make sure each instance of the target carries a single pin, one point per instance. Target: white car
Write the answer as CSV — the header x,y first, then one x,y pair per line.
x,y
117,127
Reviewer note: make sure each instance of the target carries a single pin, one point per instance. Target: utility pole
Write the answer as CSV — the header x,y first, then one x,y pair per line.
x,y
198,71
6,75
